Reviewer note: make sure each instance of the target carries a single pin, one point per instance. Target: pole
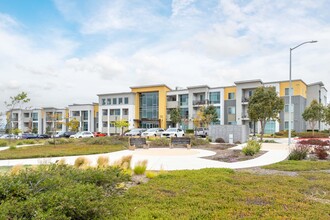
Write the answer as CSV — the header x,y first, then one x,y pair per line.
x,y
290,88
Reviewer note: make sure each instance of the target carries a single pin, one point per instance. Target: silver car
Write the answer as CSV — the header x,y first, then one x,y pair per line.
x,y
153,132
135,132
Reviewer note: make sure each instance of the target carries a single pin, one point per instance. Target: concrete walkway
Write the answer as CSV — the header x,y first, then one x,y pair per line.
x,y
171,159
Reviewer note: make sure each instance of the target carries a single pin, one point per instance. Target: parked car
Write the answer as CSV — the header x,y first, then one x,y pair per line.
x,y
43,136
28,136
173,132
67,134
135,132
153,132
9,136
99,134
83,134
202,132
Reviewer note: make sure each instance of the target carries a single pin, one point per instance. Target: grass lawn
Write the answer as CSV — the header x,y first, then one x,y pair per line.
x,y
299,165
225,194
69,149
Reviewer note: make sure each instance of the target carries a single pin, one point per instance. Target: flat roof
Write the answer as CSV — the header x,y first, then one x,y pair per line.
x,y
116,93
148,86
248,81
199,86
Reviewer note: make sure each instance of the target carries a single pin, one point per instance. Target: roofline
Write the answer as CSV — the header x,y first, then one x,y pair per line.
x,y
286,81
316,83
148,86
198,86
249,81
116,93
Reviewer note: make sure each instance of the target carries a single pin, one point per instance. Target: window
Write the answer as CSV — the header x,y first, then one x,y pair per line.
x,y
287,91
85,115
183,100
26,115
286,125
103,101
286,108
231,95
214,97
120,101
35,116
250,93
184,113
75,113
108,101
114,111
232,122
104,112
125,111
231,110
114,101
126,100
104,124
112,124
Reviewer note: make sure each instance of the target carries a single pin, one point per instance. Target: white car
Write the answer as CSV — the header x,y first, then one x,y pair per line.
x,y
135,132
82,134
153,132
173,132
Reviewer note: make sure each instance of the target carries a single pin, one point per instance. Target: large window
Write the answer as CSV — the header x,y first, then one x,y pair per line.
x,y
149,105
286,125
108,101
26,115
103,101
286,108
85,115
114,101
183,100
120,101
126,100
104,112
184,113
125,111
214,97
35,116
115,112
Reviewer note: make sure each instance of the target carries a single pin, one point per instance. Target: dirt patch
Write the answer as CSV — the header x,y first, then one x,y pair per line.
x,y
224,154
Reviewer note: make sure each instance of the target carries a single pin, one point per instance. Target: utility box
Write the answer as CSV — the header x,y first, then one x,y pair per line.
x,y
231,138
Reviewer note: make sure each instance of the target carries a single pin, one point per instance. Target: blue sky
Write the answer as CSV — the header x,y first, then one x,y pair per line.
x,y
63,52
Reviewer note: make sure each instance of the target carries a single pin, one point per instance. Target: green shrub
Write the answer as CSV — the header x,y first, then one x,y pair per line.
x,y
140,167
299,152
160,142
151,175
269,141
251,148
189,131
19,143
29,141
60,141
3,143
199,141
310,135
12,147
109,140
220,140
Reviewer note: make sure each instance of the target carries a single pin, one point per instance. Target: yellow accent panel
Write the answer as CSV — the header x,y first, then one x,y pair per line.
x,y
229,90
96,110
162,91
299,88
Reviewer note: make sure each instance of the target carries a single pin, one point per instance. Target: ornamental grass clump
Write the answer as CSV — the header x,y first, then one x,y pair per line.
x,y
251,148
3,143
140,167
124,163
102,162
81,162
299,152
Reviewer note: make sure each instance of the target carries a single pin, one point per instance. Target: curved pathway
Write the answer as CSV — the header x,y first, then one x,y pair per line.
x,y
171,159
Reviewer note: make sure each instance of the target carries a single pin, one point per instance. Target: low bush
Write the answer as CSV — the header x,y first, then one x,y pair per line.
x,y
220,140
314,142
3,143
60,141
140,167
195,141
189,131
19,143
321,152
310,135
251,148
12,147
29,141
299,152
269,141
109,140
151,175
160,142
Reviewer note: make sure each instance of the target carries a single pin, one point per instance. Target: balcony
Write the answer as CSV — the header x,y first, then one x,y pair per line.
x,y
172,104
245,100
245,116
201,102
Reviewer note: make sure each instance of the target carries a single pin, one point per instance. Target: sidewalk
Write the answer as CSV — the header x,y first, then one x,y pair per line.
x,y
171,159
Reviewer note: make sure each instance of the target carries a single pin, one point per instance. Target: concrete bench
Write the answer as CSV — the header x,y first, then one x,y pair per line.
x,y
137,142
180,141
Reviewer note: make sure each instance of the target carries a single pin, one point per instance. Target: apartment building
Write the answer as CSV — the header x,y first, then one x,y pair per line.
x,y
86,114
190,100
26,120
115,107
54,119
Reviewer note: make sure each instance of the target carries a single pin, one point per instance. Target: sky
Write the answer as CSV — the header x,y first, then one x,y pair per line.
x,y
63,52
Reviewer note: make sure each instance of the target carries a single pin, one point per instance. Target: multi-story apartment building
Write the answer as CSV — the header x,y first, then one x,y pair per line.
x,y
54,119
26,120
86,114
115,107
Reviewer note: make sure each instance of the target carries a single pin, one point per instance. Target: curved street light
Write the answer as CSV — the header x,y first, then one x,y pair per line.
x,y
290,85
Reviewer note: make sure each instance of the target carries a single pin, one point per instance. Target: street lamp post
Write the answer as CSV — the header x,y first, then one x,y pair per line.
x,y
290,85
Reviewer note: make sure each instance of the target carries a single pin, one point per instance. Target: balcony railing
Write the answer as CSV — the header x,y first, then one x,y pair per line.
x,y
244,99
200,102
245,116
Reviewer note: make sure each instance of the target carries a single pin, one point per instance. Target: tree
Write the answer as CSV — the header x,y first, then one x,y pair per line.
x,y
205,115
73,125
326,114
175,116
313,113
121,124
265,105
17,101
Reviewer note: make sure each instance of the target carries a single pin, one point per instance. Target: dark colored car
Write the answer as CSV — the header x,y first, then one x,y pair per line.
x,y
99,134
43,136
67,134
29,136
